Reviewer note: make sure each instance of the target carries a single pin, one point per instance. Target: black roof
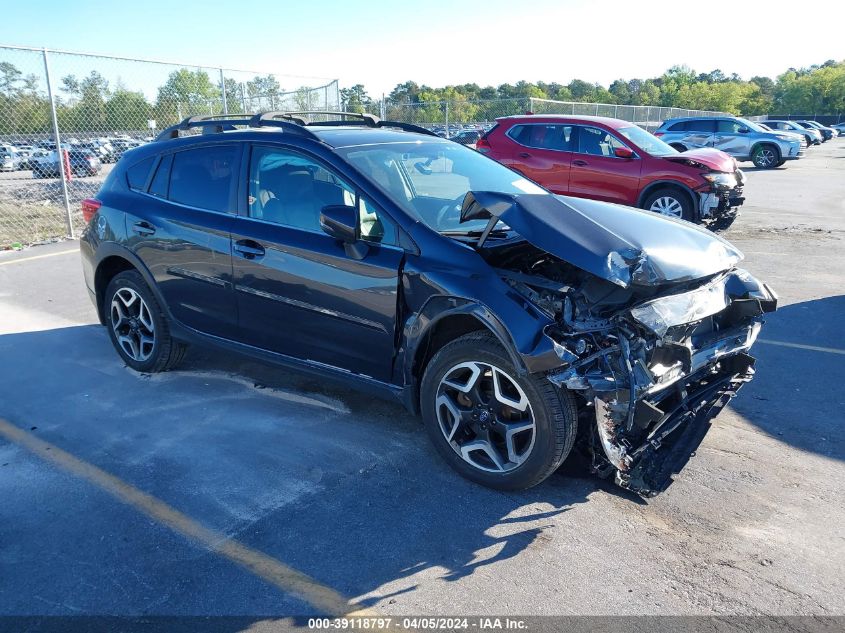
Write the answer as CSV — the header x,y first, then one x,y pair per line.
x,y
336,129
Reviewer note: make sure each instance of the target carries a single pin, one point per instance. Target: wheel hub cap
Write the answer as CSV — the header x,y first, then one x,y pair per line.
x,y
485,416
666,205
132,324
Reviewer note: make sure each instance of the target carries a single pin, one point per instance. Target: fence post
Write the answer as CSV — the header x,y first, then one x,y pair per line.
x,y
446,104
223,92
383,107
58,141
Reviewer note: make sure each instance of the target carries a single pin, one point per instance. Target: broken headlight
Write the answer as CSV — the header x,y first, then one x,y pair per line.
x,y
658,315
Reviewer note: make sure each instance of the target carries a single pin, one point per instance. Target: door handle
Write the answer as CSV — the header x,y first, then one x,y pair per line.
x,y
143,228
524,155
249,249
579,163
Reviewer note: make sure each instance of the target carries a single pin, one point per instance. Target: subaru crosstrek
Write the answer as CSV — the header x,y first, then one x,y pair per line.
x,y
617,161
742,139
519,323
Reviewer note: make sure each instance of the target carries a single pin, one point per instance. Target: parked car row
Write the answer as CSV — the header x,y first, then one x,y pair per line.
x,y
40,156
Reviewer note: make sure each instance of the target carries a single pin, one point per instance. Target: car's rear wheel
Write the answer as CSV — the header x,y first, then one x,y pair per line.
x,y
765,156
670,202
494,426
138,327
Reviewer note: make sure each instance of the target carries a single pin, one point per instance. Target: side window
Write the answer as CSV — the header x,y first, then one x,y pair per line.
x,y
596,142
136,175
158,187
375,226
291,189
725,126
540,136
680,126
203,177
707,126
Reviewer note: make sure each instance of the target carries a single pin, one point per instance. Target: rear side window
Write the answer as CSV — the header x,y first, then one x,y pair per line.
x,y
203,177
136,175
158,187
701,125
541,136
680,126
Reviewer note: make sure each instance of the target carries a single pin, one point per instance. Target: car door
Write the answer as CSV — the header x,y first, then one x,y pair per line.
x,y
699,133
179,227
732,137
542,152
301,292
598,173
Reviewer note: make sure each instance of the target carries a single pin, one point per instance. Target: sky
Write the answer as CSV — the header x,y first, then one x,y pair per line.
x,y
382,43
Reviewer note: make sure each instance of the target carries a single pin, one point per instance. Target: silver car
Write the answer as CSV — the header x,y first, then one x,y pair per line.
x,y
742,139
814,137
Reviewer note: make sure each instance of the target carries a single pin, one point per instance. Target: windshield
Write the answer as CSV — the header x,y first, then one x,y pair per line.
x,y
429,179
647,141
751,125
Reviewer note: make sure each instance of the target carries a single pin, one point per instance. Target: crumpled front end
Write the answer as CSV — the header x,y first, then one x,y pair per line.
x,y
655,374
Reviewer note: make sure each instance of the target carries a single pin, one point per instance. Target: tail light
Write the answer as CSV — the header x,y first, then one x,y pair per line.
x,y
659,134
483,145
90,206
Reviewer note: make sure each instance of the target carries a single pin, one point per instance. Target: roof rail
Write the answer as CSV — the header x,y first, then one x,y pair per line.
x,y
292,122
364,118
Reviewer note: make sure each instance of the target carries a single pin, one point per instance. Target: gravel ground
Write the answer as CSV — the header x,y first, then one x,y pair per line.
x,y
347,490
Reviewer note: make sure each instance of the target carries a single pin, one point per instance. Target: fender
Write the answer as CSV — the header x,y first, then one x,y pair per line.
x,y
418,326
667,183
105,250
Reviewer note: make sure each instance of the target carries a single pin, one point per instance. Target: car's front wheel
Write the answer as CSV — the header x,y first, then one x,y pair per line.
x,y
138,327
765,157
493,425
671,202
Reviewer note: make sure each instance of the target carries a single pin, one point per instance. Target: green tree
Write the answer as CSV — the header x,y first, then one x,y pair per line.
x,y
127,111
356,99
187,93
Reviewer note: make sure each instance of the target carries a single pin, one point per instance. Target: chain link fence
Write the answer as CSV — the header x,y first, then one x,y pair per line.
x,y
93,108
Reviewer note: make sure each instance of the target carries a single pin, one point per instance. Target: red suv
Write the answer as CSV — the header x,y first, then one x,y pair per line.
x,y
617,161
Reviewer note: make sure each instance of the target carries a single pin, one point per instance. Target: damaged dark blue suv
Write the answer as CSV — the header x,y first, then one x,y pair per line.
x,y
517,322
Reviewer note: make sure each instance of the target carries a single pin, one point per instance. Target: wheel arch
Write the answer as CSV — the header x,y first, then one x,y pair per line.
x,y
113,260
443,319
668,184
760,144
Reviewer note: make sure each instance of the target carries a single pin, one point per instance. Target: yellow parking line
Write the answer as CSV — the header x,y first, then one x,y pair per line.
x,y
289,580
812,348
29,259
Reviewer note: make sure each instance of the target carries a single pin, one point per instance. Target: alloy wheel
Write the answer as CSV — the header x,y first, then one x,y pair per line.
x,y
133,324
666,205
766,157
485,416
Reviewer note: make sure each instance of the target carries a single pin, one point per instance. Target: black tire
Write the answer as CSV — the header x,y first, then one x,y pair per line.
x,y
678,147
662,199
780,162
164,353
553,411
765,156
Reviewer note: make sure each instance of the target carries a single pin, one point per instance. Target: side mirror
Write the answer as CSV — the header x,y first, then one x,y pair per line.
x,y
743,130
341,222
623,152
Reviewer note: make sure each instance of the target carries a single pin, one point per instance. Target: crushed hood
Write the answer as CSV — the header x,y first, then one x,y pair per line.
x,y
623,245
715,159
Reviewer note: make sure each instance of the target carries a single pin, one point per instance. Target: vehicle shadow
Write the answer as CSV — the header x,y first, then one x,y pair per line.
x,y
797,393
327,480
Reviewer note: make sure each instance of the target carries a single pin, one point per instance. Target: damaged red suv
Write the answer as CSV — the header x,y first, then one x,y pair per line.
x,y
617,161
